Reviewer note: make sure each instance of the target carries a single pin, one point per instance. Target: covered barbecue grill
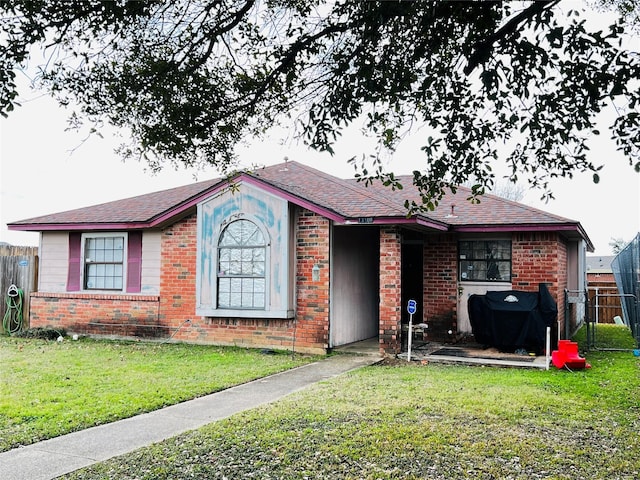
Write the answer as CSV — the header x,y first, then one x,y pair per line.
x,y
512,320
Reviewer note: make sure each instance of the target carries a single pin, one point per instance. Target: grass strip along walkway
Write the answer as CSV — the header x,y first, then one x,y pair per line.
x,y
51,388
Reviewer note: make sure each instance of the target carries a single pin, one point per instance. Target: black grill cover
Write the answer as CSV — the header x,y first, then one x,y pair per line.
x,y
511,320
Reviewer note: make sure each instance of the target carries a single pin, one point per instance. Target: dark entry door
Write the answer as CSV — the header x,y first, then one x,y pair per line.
x,y
412,278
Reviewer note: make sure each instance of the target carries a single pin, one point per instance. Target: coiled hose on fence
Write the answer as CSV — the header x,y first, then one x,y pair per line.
x,y
12,321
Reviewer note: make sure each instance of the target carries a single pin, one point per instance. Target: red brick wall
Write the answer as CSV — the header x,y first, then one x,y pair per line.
x,y
540,258
178,277
172,313
169,312
440,283
245,332
312,297
390,290
178,294
178,300
601,278
536,258
100,314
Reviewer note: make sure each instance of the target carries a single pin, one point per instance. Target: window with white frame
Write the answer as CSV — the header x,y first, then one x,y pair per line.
x,y
484,260
242,266
104,259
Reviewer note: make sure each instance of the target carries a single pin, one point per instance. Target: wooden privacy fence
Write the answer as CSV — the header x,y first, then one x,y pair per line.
x,y
19,267
604,302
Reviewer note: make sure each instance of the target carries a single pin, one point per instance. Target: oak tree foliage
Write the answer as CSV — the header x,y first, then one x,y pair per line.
x,y
521,82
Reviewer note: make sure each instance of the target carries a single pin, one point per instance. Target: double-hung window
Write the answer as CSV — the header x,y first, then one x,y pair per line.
x,y
242,266
105,261
104,258
484,260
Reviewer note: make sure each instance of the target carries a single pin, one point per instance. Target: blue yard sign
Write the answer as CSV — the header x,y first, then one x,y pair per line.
x,y
411,307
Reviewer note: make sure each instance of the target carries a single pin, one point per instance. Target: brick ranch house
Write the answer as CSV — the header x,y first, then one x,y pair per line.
x,y
290,257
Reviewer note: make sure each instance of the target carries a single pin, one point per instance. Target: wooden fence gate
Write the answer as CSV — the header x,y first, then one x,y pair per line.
x,y
19,267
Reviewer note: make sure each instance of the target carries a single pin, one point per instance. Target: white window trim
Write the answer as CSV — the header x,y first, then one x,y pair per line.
x,y
83,243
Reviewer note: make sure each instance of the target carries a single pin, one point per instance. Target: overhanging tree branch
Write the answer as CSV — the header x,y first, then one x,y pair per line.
x,y
284,64
481,51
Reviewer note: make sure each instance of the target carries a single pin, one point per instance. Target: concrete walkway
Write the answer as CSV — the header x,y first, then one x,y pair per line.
x,y
52,458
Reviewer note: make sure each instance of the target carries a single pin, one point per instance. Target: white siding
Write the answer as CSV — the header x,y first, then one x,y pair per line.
x,y
271,214
151,253
355,267
576,277
53,262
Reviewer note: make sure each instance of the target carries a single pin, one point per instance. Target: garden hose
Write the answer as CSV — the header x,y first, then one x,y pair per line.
x,y
12,321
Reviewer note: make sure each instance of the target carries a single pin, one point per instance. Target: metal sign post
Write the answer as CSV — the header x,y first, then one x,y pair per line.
x,y
411,308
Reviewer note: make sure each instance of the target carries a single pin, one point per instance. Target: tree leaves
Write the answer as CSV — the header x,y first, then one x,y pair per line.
x,y
190,80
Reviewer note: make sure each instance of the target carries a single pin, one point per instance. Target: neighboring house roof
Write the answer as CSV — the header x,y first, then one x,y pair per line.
x,y
344,201
600,264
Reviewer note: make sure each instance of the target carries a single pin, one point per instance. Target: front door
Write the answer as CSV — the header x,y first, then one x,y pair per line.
x,y
412,282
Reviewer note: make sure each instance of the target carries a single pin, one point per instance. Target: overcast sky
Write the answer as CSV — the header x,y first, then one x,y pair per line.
x,y
45,169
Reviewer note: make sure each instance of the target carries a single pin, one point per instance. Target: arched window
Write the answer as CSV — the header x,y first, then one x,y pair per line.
x,y
241,266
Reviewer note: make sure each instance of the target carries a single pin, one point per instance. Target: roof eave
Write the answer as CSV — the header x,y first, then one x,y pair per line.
x,y
397,220
187,206
157,221
59,227
531,227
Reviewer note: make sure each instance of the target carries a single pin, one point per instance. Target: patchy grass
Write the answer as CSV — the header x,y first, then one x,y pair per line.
x,y
51,388
411,421
607,336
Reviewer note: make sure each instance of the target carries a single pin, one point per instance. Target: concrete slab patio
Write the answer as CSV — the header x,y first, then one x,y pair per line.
x,y
474,355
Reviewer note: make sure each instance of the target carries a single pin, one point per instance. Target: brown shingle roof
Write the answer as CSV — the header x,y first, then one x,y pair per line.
x,y
139,209
353,199
456,209
346,199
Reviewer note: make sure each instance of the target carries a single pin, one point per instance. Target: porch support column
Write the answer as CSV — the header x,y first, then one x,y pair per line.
x,y
390,291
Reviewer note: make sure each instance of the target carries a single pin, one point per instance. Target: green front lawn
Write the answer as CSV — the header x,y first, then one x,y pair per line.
x,y
49,388
413,421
